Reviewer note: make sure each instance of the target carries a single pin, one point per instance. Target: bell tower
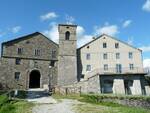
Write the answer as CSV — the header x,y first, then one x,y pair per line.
x,y
67,59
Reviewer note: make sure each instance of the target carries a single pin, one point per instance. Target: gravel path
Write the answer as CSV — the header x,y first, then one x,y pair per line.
x,y
47,104
64,106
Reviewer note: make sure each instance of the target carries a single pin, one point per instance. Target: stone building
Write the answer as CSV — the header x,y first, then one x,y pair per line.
x,y
104,65
25,62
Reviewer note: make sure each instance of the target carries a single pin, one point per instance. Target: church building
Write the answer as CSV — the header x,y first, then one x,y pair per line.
x,y
105,65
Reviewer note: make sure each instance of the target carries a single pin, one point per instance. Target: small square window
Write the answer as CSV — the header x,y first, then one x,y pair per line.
x,y
88,56
37,52
18,61
117,55
116,45
88,68
130,55
105,56
52,63
131,66
53,54
104,45
20,51
17,76
105,67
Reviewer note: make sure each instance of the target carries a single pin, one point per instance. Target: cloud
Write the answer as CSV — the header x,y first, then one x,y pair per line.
x,y
48,16
83,40
70,19
146,63
107,29
130,40
145,48
16,29
52,32
146,6
126,23
82,37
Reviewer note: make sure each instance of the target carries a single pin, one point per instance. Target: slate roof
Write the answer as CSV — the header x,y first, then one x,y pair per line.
x,y
110,37
26,37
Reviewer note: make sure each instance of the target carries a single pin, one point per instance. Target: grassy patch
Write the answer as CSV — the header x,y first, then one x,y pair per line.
x,y
14,106
92,105
95,108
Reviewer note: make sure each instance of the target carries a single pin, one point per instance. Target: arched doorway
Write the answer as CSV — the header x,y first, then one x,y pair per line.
x,y
34,79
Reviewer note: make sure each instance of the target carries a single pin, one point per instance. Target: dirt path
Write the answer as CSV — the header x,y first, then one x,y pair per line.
x,y
47,104
64,106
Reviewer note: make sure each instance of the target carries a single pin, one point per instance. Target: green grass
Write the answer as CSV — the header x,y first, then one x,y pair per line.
x,y
14,106
92,105
103,108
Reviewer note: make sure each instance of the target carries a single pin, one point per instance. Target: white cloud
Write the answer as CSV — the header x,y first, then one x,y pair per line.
x,y
130,40
82,37
126,23
16,29
70,19
145,48
146,63
107,29
48,16
83,40
80,31
52,32
146,6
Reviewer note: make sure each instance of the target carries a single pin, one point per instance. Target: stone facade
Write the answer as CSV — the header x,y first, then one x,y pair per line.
x,y
26,54
67,59
34,61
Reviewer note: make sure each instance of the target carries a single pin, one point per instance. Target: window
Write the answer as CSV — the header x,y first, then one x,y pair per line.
x,y
88,68
130,55
53,54
131,66
104,45
105,67
37,52
17,75
118,68
116,45
105,56
67,35
18,61
117,55
88,56
52,63
20,51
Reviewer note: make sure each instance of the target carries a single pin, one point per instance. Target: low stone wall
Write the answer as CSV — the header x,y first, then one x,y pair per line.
x,y
66,90
133,101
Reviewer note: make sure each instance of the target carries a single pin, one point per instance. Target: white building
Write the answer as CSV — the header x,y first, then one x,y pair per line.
x,y
118,65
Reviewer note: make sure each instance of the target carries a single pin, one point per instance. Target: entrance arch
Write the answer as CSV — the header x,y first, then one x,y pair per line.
x,y
34,79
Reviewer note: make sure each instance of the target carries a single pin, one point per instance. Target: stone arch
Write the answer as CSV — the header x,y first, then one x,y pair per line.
x,y
67,35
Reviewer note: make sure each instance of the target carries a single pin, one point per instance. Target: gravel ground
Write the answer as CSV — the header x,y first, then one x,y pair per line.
x,y
64,106
47,104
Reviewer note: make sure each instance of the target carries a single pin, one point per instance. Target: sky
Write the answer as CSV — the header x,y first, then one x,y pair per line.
x,y
127,20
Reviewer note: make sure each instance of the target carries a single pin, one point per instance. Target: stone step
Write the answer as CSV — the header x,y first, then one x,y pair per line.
x,y
37,93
